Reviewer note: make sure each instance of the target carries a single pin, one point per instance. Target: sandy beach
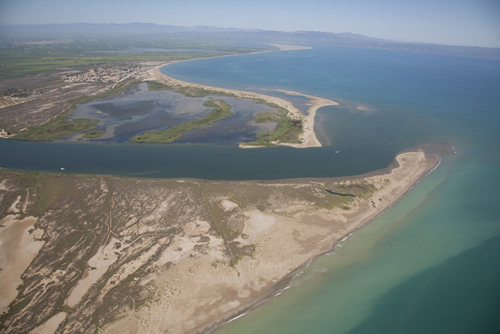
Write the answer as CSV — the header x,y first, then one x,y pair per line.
x,y
196,295
308,137
288,47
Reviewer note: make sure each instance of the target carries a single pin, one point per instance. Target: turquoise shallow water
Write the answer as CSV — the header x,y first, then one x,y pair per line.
x,y
427,265
430,264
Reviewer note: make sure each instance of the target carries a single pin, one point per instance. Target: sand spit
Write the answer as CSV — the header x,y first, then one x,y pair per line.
x,y
198,294
287,47
315,104
308,137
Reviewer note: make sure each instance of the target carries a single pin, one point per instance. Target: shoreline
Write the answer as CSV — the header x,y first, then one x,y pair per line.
x,y
433,162
308,136
289,47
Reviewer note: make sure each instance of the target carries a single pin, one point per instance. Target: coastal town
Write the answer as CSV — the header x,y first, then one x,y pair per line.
x,y
105,74
108,74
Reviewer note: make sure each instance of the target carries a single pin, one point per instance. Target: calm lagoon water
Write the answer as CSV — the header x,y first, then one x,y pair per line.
x,y
139,110
430,264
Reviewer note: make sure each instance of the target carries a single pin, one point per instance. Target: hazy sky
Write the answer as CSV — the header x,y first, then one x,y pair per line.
x,y
454,22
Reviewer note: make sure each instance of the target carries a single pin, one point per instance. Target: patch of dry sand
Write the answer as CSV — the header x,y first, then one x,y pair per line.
x,y
50,325
98,265
228,205
18,247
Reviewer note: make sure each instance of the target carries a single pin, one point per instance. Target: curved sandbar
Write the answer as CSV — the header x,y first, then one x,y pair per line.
x,y
308,137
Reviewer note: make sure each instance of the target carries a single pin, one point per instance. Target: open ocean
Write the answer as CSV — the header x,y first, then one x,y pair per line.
x,y
429,264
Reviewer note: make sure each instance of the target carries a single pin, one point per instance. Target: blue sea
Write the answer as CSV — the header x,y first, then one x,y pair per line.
x,y
429,264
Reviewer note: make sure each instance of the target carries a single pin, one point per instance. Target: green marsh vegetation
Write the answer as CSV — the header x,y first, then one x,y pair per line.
x,y
187,91
20,56
358,189
221,110
60,127
287,131
93,134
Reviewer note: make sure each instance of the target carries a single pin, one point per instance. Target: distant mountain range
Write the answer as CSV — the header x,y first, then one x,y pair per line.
x,y
11,33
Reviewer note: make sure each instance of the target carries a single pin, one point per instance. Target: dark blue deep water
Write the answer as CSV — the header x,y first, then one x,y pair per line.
x,y
430,264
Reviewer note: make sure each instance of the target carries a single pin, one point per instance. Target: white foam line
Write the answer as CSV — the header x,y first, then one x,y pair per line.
x,y
239,316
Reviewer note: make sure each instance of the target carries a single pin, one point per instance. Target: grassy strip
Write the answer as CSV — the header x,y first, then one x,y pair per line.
x,y
60,127
222,110
157,86
187,91
287,131
93,134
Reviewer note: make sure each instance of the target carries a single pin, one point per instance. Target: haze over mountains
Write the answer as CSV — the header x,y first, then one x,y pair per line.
x,y
16,33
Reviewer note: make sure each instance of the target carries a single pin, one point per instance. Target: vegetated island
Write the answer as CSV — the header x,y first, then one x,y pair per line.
x,y
151,255
221,110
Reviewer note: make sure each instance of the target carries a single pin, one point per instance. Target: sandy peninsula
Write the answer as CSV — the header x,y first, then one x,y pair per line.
x,y
196,296
176,256
308,137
